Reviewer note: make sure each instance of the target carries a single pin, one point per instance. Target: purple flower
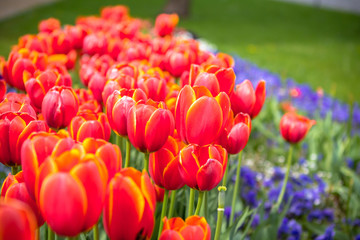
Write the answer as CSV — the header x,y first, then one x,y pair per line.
x,y
328,234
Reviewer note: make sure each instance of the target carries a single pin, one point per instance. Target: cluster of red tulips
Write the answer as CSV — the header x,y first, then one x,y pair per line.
x,y
160,93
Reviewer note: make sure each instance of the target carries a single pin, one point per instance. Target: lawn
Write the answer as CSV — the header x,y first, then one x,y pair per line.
x,y
310,45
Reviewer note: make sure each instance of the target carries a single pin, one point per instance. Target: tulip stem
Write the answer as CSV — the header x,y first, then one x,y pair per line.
x,y
172,203
51,234
163,211
206,205
128,149
96,231
200,200
226,173
236,188
146,162
14,170
119,141
191,202
283,188
220,211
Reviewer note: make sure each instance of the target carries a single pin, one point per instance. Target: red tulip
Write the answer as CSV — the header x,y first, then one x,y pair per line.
x,y
71,187
17,220
165,24
149,127
20,103
60,42
202,167
294,127
14,130
129,205
155,88
115,13
118,106
39,86
14,187
244,99
59,106
49,25
178,61
199,116
194,227
88,124
164,166
236,134
2,89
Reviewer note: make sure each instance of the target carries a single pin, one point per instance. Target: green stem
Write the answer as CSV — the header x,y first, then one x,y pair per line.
x,y
51,234
14,170
220,211
191,202
206,205
200,200
172,204
236,188
128,148
96,231
163,211
119,141
283,188
226,172
73,238
146,162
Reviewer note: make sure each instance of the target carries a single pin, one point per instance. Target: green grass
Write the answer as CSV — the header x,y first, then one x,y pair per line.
x,y
316,46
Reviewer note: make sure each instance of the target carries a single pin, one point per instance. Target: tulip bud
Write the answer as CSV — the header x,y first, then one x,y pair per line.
x,y
294,127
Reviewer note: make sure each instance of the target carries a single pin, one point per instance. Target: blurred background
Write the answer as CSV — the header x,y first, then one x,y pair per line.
x,y
310,41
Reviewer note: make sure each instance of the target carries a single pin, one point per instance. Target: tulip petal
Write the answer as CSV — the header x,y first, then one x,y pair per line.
x,y
209,175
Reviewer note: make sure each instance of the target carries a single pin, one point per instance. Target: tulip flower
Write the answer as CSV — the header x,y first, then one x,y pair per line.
x,y
200,117
294,127
194,227
165,24
17,103
149,127
88,124
236,134
15,187
244,99
39,86
49,25
71,187
118,106
202,167
60,42
129,205
14,130
115,13
18,222
155,88
59,106
164,166
178,61
2,89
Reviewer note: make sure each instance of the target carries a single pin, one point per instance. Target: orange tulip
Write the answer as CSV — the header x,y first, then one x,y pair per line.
x,y
149,127
244,99
88,124
200,117
294,127
71,189
59,106
165,24
129,205
236,134
14,187
164,166
202,167
14,130
194,227
18,222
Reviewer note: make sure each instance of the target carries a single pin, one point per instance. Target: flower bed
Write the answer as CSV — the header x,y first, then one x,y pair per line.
x,y
160,125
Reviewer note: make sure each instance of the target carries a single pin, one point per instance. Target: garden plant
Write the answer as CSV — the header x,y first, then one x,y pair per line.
x,y
119,128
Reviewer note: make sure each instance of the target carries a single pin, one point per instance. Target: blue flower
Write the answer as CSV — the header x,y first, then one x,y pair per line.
x,y
328,234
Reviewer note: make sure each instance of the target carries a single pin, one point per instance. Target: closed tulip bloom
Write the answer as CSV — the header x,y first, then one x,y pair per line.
x,y
247,100
14,130
88,124
149,127
118,107
164,166
18,222
194,227
294,127
200,117
15,187
165,24
71,187
59,106
155,88
202,167
38,86
129,205
236,134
